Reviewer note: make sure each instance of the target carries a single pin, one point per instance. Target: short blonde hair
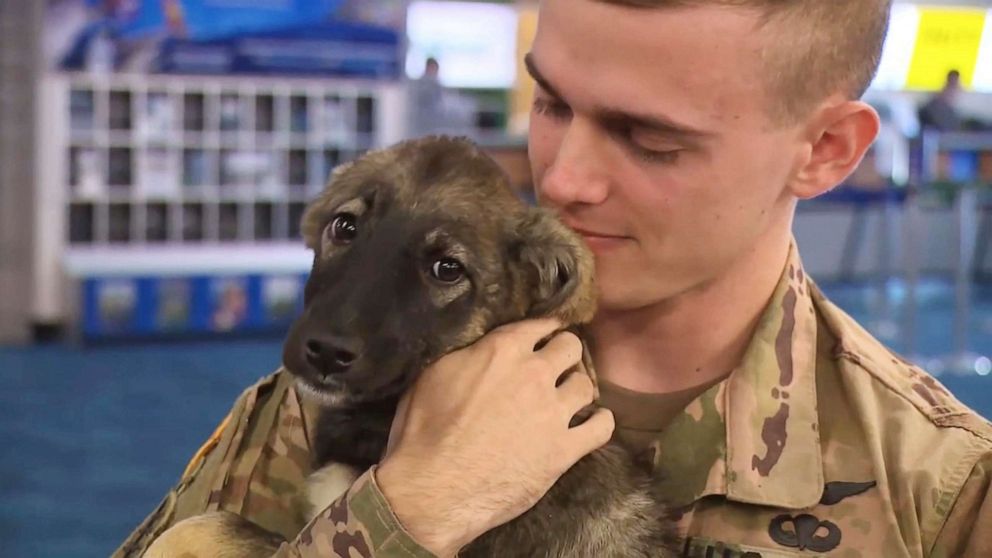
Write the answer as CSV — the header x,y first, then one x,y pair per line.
x,y
825,46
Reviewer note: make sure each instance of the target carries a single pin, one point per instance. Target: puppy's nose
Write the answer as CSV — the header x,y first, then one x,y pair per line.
x,y
332,354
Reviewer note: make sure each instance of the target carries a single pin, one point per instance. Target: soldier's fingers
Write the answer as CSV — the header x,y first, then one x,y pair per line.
x,y
594,433
531,331
562,352
575,393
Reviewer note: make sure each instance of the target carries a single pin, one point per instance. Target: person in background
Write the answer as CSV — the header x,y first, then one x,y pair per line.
x,y
426,101
939,112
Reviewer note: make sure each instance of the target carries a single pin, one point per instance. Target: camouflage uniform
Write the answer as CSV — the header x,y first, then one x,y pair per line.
x,y
822,442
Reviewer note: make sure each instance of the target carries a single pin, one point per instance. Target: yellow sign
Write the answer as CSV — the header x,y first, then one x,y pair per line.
x,y
523,91
946,39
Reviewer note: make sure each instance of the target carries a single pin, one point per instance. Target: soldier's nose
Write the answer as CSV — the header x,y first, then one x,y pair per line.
x,y
332,354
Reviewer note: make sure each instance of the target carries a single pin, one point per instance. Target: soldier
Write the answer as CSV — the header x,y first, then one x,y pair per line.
x,y
677,137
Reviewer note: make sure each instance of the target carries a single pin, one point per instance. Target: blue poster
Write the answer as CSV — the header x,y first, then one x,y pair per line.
x,y
219,36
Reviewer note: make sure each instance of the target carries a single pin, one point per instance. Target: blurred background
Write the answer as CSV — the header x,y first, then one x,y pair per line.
x,y
156,155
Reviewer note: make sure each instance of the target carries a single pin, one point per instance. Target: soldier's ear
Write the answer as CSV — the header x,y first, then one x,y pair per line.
x,y
558,268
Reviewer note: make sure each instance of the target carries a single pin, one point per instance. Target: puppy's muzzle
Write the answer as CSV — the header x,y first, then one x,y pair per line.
x,y
331,355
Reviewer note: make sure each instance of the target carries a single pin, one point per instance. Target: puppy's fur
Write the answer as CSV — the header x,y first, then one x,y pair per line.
x,y
215,535
419,250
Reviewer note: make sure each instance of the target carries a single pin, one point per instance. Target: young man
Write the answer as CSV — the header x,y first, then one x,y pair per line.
x,y
677,137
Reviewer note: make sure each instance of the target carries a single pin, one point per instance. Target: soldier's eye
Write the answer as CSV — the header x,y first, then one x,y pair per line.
x,y
447,270
342,229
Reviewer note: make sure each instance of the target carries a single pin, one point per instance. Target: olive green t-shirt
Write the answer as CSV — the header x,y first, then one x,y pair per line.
x,y
640,417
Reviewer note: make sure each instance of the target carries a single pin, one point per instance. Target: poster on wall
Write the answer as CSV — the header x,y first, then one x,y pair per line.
x,y
174,301
117,304
924,43
230,303
281,297
325,37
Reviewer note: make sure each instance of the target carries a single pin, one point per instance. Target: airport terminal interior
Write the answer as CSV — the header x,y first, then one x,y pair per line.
x,y
156,158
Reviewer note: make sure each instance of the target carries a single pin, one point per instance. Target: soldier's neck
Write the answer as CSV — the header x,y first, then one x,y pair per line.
x,y
694,338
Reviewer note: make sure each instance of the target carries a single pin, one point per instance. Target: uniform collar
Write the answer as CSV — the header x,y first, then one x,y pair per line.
x,y
754,438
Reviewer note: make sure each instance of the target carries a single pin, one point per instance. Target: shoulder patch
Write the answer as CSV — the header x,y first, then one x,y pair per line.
x,y
251,392
970,422
207,446
920,389
855,345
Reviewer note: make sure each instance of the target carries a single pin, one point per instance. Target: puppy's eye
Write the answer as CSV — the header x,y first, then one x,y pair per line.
x,y
342,229
448,270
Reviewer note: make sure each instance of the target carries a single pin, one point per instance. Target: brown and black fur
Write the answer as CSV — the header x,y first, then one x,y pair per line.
x,y
373,300
420,201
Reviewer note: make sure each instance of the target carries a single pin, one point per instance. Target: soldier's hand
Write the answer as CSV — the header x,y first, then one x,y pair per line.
x,y
484,433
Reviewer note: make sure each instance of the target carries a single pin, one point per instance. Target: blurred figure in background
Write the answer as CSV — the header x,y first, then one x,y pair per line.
x,y
436,109
426,100
939,112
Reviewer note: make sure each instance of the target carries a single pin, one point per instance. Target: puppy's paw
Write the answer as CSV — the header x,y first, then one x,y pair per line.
x,y
326,484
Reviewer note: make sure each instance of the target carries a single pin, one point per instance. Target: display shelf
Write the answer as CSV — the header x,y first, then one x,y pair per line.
x,y
167,195
196,159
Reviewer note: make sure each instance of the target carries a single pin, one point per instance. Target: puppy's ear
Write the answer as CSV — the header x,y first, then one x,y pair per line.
x,y
558,269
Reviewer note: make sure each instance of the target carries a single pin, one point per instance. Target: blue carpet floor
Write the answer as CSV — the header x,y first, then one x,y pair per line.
x,y
93,437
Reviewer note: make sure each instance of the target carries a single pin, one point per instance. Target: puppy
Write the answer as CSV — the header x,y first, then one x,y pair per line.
x,y
419,250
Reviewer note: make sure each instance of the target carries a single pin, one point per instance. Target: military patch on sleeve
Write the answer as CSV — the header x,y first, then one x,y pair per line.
x,y
208,445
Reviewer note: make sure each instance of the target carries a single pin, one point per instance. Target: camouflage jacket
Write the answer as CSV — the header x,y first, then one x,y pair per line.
x,y
821,442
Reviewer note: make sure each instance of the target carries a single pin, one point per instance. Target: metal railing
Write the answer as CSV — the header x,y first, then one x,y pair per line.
x,y
961,359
